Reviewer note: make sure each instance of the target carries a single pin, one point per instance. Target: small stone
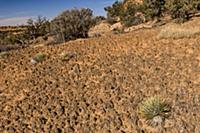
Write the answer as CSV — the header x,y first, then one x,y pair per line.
x,y
33,61
156,121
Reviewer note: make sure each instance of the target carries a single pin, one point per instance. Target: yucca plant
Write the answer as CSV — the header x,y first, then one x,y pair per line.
x,y
38,58
4,54
153,108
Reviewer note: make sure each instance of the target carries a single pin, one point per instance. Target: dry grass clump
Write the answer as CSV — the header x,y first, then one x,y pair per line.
x,y
154,110
176,32
4,54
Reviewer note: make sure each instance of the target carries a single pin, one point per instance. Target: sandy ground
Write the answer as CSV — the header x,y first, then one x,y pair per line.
x,y
98,90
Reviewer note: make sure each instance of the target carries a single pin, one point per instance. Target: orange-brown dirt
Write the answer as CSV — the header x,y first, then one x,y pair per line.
x,y
98,90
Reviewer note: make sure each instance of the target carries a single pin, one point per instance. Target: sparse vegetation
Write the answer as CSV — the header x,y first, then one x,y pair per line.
x,y
65,56
153,107
72,24
180,10
114,12
98,19
4,54
24,36
153,8
37,28
10,37
118,31
127,15
95,84
75,23
38,58
177,32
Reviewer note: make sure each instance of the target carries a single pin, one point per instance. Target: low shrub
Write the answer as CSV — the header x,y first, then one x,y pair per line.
x,y
154,110
98,19
72,24
182,10
128,16
114,12
179,10
65,56
37,28
118,31
153,8
38,58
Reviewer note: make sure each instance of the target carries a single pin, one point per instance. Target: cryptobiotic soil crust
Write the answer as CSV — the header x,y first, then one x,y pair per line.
x,y
99,88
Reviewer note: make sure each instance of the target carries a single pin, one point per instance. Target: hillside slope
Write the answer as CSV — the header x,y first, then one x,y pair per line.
x,y
98,90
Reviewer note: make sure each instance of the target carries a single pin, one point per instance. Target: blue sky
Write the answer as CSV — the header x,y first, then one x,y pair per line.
x,y
16,12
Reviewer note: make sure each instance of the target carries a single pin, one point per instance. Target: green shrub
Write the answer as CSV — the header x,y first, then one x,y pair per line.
x,y
118,31
7,38
38,58
114,11
23,37
111,20
182,10
153,107
128,16
153,8
98,19
196,5
72,24
39,27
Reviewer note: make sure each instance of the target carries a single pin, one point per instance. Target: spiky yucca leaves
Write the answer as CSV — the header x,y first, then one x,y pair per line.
x,y
152,107
4,54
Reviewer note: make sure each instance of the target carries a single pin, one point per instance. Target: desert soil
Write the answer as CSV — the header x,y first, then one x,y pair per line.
x,y
99,88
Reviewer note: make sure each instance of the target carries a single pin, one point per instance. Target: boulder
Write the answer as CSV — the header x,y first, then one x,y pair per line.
x,y
99,30
116,26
